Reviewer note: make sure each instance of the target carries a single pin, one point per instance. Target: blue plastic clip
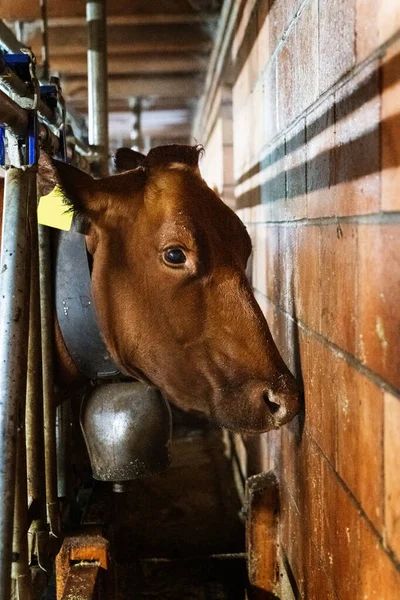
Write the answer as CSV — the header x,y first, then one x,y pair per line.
x,y
32,141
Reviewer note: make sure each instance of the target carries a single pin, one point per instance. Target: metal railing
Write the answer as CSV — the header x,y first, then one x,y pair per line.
x,y
33,117
29,506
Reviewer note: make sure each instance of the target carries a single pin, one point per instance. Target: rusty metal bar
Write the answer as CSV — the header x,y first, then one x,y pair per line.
x,y
20,571
48,381
13,348
38,531
97,81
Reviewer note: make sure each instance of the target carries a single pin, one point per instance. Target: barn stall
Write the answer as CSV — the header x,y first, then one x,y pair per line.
x,y
296,104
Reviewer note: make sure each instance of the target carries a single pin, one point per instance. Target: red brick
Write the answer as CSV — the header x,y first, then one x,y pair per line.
x,y
273,191
319,373
340,549
306,65
307,276
390,129
270,99
286,267
392,472
260,254
356,156
367,30
338,285
320,144
318,585
312,498
388,19
360,434
291,455
379,291
379,578
295,547
286,82
281,14
336,40
296,199
263,40
272,261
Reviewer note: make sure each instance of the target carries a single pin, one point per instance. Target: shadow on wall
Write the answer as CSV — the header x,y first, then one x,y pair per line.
x,y
344,162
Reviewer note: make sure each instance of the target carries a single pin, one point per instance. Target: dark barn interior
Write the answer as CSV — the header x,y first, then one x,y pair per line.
x,y
296,104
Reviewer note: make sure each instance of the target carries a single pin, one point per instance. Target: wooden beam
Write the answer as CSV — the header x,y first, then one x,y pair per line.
x,y
146,19
156,36
262,500
172,46
133,64
121,87
21,9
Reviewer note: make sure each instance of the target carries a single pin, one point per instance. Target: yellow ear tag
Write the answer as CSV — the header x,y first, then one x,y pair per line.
x,y
53,212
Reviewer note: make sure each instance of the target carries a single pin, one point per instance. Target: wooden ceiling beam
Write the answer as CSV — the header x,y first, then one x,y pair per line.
x,y
25,10
121,87
172,46
133,64
146,19
128,34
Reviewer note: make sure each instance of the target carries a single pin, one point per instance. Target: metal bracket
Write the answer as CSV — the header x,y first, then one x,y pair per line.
x,y
24,151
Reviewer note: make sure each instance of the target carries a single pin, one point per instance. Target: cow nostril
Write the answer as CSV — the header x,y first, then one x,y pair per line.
x,y
273,406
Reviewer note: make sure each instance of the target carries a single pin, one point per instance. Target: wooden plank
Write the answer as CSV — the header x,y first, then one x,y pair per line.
x,y
262,531
135,63
21,9
82,582
62,38
139,19
122,88
87,545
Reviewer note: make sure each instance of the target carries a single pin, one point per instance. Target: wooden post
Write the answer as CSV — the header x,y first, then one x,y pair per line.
x,y
262,496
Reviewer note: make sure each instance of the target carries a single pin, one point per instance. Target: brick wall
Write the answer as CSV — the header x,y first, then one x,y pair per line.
x,y
316,144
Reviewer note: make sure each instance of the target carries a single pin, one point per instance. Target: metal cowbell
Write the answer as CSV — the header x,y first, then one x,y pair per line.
x,y
127,429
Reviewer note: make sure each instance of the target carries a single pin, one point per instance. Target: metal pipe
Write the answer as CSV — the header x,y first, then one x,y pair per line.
x,y
63,422
8,39
13,116
34,403
20,571
97,81
49,408
19,93
45,39
13,348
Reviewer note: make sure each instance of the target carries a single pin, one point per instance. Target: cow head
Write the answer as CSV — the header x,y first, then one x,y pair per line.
x,y
170,289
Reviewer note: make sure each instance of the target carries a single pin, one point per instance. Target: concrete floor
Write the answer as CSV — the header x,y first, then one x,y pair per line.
x,y
184,516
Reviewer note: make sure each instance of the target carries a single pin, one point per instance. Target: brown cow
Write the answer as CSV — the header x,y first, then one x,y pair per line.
x,y
171,294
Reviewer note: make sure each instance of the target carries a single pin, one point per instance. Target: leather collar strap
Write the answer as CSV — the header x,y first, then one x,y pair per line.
x,y
74,306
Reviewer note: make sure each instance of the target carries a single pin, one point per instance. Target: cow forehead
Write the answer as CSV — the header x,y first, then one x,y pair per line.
x,y
182,199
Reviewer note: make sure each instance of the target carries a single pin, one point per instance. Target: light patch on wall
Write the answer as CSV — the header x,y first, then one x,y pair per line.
x,y
380,332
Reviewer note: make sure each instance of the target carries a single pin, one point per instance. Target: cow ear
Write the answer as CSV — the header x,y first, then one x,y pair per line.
x,y
126,159
174,155
79,188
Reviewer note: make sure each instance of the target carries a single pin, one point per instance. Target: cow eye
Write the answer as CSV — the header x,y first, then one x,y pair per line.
x,y
174,256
